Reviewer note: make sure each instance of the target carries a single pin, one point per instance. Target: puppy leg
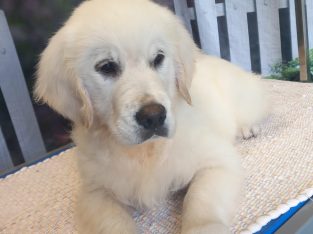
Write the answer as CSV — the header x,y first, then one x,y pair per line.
x,y
248,133
210,201
100,214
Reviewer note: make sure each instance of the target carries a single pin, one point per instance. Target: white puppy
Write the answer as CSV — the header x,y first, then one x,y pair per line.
x,y
151,115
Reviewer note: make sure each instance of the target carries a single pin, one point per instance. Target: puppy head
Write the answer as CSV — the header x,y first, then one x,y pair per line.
x,y
111,65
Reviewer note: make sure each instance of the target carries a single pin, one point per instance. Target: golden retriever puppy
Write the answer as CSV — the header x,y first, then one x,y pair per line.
x,y
151,115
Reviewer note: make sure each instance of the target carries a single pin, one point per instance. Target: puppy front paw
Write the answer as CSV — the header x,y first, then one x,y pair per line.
x,y
212,228
248,133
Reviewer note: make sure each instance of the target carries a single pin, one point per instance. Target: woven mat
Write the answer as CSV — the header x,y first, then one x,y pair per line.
x,y
278,165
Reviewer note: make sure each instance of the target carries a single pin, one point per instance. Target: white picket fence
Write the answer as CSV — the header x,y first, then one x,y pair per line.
x,y
268,24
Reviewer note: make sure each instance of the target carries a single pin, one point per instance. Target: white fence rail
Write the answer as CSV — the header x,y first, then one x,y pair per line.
x,y
18,103
254,34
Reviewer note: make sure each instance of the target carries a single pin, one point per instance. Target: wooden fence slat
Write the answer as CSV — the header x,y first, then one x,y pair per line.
x,y
236,13
269,34
283,3
293,29
5,158
207,24
182,10
17,98
309,8
220,9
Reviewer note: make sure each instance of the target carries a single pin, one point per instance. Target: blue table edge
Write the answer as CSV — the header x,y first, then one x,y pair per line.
x,y
275,224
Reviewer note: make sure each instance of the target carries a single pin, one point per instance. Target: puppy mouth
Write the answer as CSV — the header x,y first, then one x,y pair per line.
x,y
153,134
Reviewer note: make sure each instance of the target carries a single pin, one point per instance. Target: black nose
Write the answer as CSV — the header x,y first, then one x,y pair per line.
x,y
151,116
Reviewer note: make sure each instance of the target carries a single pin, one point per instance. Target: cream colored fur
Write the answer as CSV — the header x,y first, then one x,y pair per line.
x,y
118,169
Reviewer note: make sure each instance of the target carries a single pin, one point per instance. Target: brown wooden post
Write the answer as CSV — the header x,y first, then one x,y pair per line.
x,y
302,36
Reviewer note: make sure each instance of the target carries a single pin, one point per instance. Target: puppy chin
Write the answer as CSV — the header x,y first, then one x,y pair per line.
x,y
136,135
129,140
154,135
143,136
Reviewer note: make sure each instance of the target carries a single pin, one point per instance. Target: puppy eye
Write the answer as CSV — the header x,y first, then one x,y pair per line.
x,y
108,68
158,60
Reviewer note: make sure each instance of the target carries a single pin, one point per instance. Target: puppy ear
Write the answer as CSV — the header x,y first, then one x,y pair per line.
x,y
58,86
186,52
181,84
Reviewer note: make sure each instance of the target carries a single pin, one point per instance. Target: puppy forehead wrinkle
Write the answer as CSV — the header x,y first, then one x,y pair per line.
x,y
111,25
135,52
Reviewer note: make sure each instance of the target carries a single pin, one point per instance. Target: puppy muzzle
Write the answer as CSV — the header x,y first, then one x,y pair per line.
x,y
151,118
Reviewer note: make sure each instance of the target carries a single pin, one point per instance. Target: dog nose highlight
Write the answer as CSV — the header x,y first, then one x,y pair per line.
x,y
151,116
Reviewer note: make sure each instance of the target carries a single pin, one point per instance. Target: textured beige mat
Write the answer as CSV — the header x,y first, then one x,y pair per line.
x,y
278,164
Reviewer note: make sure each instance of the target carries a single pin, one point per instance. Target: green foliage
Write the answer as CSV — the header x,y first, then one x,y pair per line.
x,y
291,70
